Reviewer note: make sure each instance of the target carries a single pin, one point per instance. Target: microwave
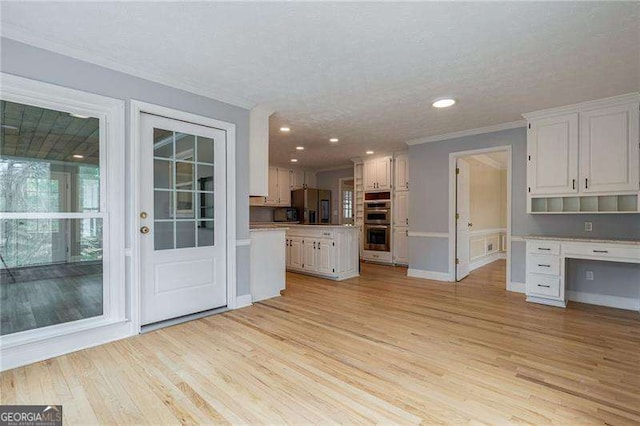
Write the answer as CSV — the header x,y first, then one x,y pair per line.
x,y
378,212
285,214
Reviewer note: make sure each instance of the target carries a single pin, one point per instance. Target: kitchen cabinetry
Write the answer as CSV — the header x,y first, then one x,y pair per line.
x,y
585,158
279,189
401,209
401,172
401,246
609,149
326,251
377,174
553,155
301,179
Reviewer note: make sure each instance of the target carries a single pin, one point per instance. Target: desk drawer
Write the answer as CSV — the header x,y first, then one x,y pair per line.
x,y
543,264
604,252
542,285
543,247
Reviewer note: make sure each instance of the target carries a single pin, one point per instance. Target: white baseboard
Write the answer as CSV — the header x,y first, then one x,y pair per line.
x,y
16,356
629,303
243,301
517,287
429,275
485,260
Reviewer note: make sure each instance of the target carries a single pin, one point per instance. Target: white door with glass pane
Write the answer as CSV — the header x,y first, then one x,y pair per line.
x,y
182,219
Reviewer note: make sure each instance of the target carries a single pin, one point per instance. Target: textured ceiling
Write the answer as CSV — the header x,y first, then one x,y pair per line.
x,y
363,72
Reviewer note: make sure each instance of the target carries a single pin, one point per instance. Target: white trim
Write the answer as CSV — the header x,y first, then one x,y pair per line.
x,y
488,161
243,301
481,232
485,260
517,287
518,238
428,234
469,132
137,108
629,303
598,103
110,112
13,32
452,204
244,242
429,275
341,181
31,352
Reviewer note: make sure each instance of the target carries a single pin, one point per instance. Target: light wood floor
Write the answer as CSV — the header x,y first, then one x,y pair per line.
x,y
382,348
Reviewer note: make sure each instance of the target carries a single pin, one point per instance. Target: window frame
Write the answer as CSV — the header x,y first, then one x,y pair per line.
x,y
110,113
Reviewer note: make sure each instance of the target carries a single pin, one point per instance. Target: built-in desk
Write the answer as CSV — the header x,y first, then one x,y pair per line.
x,y
546,266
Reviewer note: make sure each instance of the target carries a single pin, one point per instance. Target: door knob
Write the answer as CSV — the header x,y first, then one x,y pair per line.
x,y
144,230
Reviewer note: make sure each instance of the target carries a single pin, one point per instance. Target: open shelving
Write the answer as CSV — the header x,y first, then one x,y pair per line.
x,y
627,203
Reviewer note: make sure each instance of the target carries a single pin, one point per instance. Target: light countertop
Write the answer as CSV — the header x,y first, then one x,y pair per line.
x,y
280,225
269,229
582,239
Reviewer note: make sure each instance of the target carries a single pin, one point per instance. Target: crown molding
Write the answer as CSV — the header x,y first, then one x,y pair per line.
x,y
584,106
469,132
13,32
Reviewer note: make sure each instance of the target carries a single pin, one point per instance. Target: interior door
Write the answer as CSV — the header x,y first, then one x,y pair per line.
x,y
183,218
463,221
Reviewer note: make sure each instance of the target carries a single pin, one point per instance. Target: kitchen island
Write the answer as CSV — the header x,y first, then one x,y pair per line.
x,y
327,251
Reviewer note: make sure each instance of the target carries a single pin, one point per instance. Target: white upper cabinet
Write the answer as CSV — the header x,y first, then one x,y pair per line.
x,y
377,174
553,155
272,196
284,187
584,150
297,179
609,149
401,168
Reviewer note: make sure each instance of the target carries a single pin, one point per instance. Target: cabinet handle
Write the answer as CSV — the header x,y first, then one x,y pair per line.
x,y
314,245
573,185
586,183
544,248
407,221
406,184
546,266
545,286
601,251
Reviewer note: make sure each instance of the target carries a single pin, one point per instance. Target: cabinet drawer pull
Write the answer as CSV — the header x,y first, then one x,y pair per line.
x,y
601,251
326,233
545,286
546,266
544,248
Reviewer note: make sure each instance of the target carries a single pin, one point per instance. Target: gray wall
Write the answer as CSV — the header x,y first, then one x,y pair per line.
x,y
38,64
329,180
429,205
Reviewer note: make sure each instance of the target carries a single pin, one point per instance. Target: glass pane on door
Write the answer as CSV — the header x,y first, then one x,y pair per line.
x,y
184,190
50,263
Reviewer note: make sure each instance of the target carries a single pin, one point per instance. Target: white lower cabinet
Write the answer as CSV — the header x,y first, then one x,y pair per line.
x,y
401,246
329,252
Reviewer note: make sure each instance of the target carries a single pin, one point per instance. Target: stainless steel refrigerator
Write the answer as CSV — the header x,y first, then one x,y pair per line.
x,y
313,205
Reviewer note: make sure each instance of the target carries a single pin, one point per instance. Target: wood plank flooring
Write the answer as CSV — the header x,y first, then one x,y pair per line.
x,y
382,348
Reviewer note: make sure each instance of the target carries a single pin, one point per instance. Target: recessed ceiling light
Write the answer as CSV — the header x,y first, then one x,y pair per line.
x,y
294,160
334,140
78,156
444,103
300,148
369,152
78,115
285,129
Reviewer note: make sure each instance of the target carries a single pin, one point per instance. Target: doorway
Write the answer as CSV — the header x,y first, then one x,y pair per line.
x,y
346,194
182,218
480,199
